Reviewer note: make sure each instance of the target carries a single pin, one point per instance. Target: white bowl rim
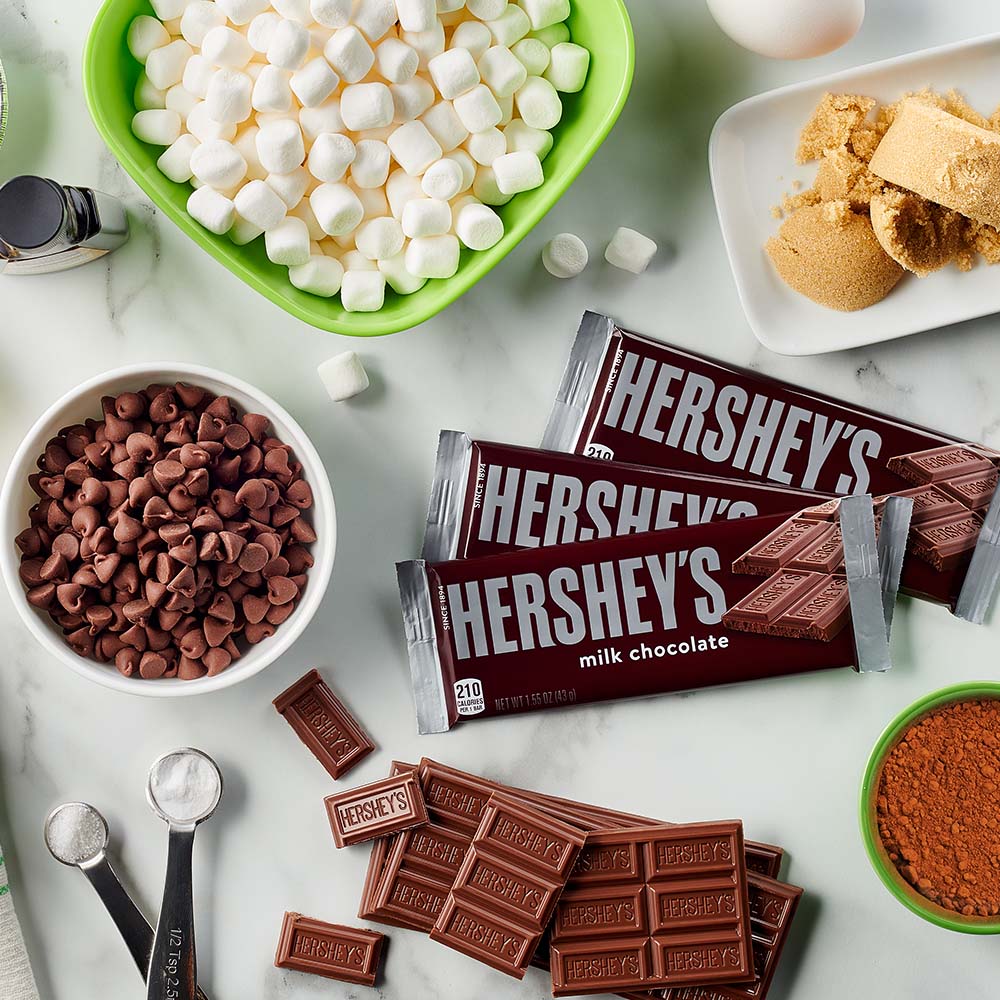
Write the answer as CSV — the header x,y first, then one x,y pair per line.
x,y
324,550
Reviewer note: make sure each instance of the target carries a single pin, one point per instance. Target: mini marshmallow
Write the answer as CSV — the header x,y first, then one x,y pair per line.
x,y
552,35
373,201
565,256
229,96
398,278
510,27
168,10
478,109
631,251
454,72
294,10
288,242
533,54
427,44
331,13
414,148
543,13
366,105
180,100
485,188
485,147
426,217
246,143
314,83
517,172
290,187
375,17
362,291
337,208
443,180
330,156
502,71
198,20
349,54
146,97
371,164
400,189
539,104
396,61
343,376
242,12
523,137
486,10
411,99
450,7
260,31
212,210
272,91
444,124
145,33
242,232
325,118
289,44
258,203
158,127
303,211
201,125
197,76
175,161
474,37
320,275
417,15
506,110
165,66
478,226
568,69
433,256
467,165
218,164
225,46
380,239
280,146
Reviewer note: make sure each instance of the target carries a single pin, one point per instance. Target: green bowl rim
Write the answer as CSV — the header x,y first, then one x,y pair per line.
x,y
886,871
451,289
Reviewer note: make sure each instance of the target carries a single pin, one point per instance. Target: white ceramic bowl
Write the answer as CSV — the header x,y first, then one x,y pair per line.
x,y
85,401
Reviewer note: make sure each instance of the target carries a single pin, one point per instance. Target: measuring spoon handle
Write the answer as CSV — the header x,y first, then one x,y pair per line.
x,y
172,965
132,925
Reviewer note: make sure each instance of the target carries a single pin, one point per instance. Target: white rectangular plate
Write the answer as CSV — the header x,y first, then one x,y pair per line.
x,y
752,159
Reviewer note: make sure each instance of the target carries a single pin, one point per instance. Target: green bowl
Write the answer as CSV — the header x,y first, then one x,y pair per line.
x,y
884,868
110,74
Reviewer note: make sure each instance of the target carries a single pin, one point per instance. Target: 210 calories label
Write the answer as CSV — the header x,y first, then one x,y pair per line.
x,y
469,696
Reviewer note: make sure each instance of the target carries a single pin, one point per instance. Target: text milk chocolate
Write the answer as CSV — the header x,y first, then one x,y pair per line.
x,y
621,617
489,498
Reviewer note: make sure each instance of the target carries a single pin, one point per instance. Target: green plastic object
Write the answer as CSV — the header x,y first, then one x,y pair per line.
x,y
110,74
884,868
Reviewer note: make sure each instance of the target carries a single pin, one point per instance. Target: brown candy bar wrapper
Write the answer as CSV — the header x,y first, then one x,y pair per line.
x,y
627,398
489,498
625,617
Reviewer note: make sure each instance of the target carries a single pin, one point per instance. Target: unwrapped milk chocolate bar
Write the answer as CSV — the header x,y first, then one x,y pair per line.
x,y
633,616
489,498
628,398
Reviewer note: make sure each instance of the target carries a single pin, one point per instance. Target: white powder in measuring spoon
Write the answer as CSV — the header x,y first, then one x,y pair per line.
x,y
76,833
185,786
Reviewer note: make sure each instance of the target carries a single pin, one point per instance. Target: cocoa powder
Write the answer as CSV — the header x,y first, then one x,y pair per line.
x,y
938,809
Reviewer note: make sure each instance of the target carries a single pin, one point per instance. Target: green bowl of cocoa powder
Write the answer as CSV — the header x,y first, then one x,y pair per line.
x,y
930,808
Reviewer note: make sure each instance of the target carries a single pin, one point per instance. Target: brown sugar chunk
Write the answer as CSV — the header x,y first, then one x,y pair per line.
x,y
919,235
836,118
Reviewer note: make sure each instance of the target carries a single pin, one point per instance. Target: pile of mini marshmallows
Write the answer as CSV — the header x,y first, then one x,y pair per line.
x,y
368,141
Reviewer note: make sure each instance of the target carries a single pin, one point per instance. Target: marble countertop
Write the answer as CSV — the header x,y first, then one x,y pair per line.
x,y
786,755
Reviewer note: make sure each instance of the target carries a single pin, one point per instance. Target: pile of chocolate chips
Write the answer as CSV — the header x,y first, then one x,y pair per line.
x,y
166,531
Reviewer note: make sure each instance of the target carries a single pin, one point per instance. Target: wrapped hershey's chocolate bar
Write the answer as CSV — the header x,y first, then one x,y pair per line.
x,y
631,399
489,498
637,615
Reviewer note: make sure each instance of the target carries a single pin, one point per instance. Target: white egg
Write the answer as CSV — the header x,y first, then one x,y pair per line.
x,y
789,29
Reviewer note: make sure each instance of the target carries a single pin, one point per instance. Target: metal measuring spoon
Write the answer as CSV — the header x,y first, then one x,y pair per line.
x,y
76,835
184,789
